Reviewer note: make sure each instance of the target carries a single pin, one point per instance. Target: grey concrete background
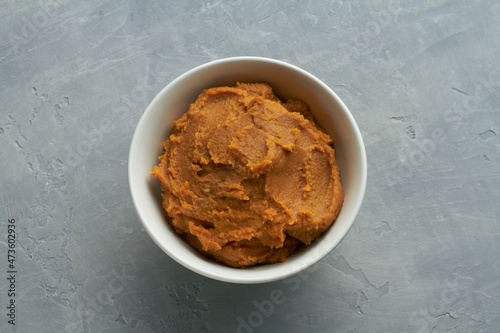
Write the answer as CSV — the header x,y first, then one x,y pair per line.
x,y
422,79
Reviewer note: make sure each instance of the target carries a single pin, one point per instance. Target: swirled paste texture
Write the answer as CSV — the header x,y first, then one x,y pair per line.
x,y
246,178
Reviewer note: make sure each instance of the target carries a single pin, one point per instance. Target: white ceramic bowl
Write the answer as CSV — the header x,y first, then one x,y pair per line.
x,y
287,81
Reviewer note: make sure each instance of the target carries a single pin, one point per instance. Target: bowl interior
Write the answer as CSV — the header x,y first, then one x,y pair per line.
x,y
287,81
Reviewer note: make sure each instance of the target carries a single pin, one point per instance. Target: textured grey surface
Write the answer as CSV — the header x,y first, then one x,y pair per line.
x,y
422,79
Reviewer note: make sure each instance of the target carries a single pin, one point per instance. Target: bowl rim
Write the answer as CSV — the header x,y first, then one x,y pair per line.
x,y
260,276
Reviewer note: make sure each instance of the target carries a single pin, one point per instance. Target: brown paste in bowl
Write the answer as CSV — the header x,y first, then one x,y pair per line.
x,y
246,178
